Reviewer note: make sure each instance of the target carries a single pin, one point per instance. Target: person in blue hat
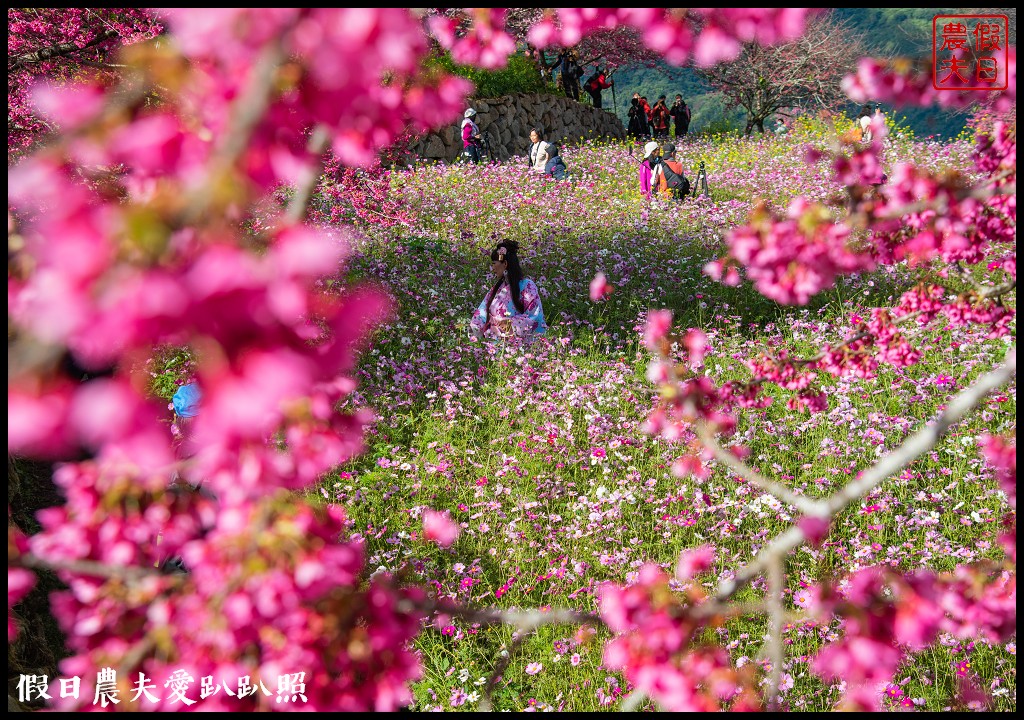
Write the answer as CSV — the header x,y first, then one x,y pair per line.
x,y
186,402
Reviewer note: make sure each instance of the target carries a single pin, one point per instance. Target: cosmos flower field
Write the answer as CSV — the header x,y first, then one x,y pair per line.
x,y
540,453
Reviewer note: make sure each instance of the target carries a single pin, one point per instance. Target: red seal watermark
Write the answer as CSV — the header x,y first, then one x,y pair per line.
x,y
970,52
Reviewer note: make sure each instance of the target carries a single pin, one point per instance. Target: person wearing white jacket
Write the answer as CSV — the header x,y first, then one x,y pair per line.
x,y
539,152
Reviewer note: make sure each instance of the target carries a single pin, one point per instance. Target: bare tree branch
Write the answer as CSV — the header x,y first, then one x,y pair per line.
x,y
774,642
633,701
802,503
88,567
485,702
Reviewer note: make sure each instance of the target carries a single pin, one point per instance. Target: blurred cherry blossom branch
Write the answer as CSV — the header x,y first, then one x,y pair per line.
x,y
917,444
773,644
55,51
804,504
87,567
319,141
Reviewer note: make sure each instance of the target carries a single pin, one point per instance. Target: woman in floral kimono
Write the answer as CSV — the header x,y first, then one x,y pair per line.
x,y
512,308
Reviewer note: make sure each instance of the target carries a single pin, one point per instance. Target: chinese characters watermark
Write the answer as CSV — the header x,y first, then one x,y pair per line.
x,y
291,688
970,52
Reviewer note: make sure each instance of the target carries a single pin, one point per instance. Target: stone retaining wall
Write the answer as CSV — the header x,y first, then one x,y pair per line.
x,y
506,122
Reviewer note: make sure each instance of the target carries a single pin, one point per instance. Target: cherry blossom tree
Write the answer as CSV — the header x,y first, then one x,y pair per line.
x,y
60,45
806,73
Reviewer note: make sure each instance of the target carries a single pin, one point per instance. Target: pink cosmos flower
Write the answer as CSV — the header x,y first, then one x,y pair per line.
x,y
439,528
534,668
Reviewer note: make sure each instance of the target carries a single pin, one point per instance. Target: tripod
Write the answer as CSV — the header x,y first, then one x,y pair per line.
x,y
700,184
486,152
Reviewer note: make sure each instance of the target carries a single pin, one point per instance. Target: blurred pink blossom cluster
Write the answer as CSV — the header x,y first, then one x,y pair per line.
x,y
709,35
355,73
485,44
901,83
653,645
291,600
886,616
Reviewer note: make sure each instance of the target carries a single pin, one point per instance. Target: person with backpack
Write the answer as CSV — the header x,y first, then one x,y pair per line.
x,y
647,166
597,82
471,140
660,118
668,177
680,113
555,166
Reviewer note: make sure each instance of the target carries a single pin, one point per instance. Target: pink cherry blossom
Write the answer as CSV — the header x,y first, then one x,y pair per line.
x,y
439,528
599,288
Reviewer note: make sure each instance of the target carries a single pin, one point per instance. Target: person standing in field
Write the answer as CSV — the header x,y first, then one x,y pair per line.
x,y
471,140
647,111
660,118
597,82
680,113
668,177
571,74
637,125
647,166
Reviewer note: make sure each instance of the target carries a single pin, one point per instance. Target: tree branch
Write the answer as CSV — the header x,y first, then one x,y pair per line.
x,y
88,567
774,641
485,702
919,443
802,503
317,145
55,51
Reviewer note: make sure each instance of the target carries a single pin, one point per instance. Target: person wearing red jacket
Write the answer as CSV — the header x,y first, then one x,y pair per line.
x,y
660,118
597,82
647,109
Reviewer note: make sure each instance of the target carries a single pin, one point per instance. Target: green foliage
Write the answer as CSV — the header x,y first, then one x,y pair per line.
x,y
895,31
710,116
169,369
520,75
